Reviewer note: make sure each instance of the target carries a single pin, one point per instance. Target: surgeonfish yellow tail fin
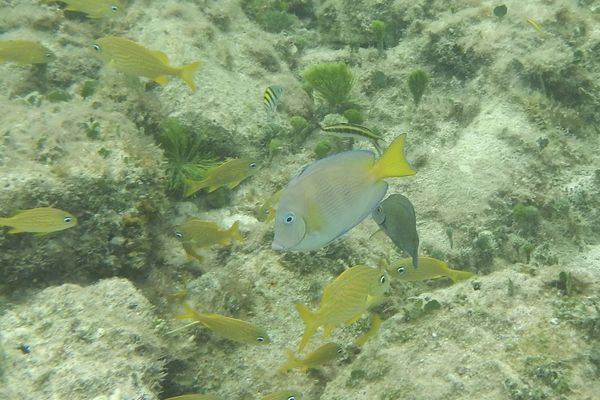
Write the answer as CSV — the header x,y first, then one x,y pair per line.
x,y
234,232
310,325
291,363
392,162
186,72
457,275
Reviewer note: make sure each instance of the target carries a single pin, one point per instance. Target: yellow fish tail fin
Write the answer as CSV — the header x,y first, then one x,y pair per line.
x,y
192,187
234,232
187,72
291,363
310,324
392,162
458,276
189,313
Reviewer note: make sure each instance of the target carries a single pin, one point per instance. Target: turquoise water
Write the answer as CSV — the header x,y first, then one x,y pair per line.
x,y
500,114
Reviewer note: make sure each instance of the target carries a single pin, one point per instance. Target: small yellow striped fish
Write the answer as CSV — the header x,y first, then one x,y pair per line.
x,y
283,395
95,8
535,25
194,397
429,268
318,357
24,52
195,234
373,329
271,97
354,131
132,58
39,220
344,300
231,173
266,212
227,327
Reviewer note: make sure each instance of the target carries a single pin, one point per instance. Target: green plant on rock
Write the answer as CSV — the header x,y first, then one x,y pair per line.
x,y
417,82
182,149
331,82
378,28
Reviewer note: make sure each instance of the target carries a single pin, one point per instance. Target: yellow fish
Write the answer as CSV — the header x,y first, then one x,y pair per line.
x,y
344,300
535,25
132,58
227,327
39,220
373,329
194,397
283,395
231,173
318,357
95,8
24,52
429,268
266,212
196,233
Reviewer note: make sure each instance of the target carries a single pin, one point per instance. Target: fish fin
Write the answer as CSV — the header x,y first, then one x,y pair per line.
x,y
377,232
15,230
4,221
392,162
191,253
161,56
186,72
71,8
310,324
234,232
232,185
328,328
291,363
212,188
192,186
458,275
161,80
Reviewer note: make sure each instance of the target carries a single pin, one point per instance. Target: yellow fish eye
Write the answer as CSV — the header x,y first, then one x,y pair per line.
x,y
260,339
96,47
252,165
179,235
289,218
114,8
382,279
67,220
400,270
291,398
379,209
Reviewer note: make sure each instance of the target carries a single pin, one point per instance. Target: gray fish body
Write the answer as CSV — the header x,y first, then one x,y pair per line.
x,y
396,217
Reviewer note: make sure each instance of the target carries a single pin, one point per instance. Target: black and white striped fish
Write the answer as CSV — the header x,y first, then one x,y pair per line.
x,y
271,97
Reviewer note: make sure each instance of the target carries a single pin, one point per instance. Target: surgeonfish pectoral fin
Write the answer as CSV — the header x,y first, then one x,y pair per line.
x,y
187,72
161,80
308,317
393,163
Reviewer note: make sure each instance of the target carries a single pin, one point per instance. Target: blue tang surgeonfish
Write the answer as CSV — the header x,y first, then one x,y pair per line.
x,y
332,195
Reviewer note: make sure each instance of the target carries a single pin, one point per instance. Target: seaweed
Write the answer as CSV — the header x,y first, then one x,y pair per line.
x,y
378,28
182,148
417,82
332,83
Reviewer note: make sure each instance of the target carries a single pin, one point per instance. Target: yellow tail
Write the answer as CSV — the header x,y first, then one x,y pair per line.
x,y
310,325
392,162
457,275
192,187
291,363
234,231
186,72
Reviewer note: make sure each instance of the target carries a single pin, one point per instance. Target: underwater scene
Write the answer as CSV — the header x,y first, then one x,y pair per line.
x,y
301,199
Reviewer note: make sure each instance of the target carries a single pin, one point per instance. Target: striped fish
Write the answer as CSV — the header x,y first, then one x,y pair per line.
x,y
344,300
354,131
24,52
227,327
283,395
95,8
271,97
132,58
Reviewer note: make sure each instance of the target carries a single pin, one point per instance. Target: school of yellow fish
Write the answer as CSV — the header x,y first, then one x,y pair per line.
x,y
324,201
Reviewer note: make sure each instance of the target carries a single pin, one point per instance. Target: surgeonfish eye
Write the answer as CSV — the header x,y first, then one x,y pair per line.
x,y
289,218
252,165
96,47
114,8
260,339
379,209
382,279
67,220
179,235
400,270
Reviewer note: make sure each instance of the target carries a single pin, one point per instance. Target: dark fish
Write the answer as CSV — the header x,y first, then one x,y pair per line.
x,y
396,217
271,97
